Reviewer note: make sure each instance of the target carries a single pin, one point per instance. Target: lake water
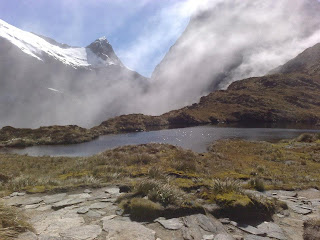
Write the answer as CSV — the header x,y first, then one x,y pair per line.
x,y
195,138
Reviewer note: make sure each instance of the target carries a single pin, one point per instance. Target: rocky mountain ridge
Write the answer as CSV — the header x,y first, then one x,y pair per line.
x,y
45,83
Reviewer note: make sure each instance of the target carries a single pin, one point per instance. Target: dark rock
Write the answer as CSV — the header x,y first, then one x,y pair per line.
x,y
124,189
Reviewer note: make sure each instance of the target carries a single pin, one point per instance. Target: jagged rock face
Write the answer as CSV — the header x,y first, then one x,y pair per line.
x,y
103,49
54,84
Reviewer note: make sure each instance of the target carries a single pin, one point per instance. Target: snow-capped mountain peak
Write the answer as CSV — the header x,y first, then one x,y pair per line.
x,y
102,39
97,54
103,49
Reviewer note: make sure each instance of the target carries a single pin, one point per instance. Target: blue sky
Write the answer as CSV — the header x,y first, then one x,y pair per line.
x,y
141,31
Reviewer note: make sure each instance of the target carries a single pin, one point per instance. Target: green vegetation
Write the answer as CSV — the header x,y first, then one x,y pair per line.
x,y
11,223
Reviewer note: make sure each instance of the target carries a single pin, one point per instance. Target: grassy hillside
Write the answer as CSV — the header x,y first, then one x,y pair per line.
x,y
290,98
283,98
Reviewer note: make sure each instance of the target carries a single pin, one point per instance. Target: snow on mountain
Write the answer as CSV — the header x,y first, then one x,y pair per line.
x,y
44,82
37,46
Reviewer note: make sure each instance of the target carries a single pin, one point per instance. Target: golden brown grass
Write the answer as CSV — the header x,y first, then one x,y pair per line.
x,y
284,165
168,175
11,223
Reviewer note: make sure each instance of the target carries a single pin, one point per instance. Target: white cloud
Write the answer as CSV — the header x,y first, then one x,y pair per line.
x,y
235,39
160,33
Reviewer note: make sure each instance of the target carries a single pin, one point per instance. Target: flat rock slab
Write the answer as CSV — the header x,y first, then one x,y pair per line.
x,y
93,214
254,237
68,202
99,197
122,230
87,191
44,208
299,210
282,193
83,210
208,237
109,217
170,224
81,195
54,198
250,229
24,201
222,236
46,237
87,232
99,205
198,225
272,230
111,200
315,202
113,191
33,206
53,225
14,194
311,193
206,224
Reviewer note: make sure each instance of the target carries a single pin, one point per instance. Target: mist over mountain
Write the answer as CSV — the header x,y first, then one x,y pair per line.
x,y
44,82
232,40
307,62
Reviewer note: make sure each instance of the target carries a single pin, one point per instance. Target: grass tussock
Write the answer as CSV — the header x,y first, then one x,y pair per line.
x,y
226,186
11,223
161,192
257,184
311,229
141,209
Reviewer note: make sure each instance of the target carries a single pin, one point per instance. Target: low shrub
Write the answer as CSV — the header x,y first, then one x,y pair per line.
x,y
307,138
226,186
160,191
311,229
141,209
257,184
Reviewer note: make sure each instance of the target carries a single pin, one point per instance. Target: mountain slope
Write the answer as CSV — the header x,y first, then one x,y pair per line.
x,y
233,40
283,98
96,54
306,62
45,83
276,99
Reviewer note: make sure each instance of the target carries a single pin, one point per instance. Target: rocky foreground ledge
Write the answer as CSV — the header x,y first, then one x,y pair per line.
x,y
94,214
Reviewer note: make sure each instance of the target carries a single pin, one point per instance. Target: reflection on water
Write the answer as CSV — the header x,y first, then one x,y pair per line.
x,y
195,138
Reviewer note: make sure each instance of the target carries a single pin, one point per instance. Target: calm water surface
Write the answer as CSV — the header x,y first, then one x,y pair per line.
x,y
195,138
